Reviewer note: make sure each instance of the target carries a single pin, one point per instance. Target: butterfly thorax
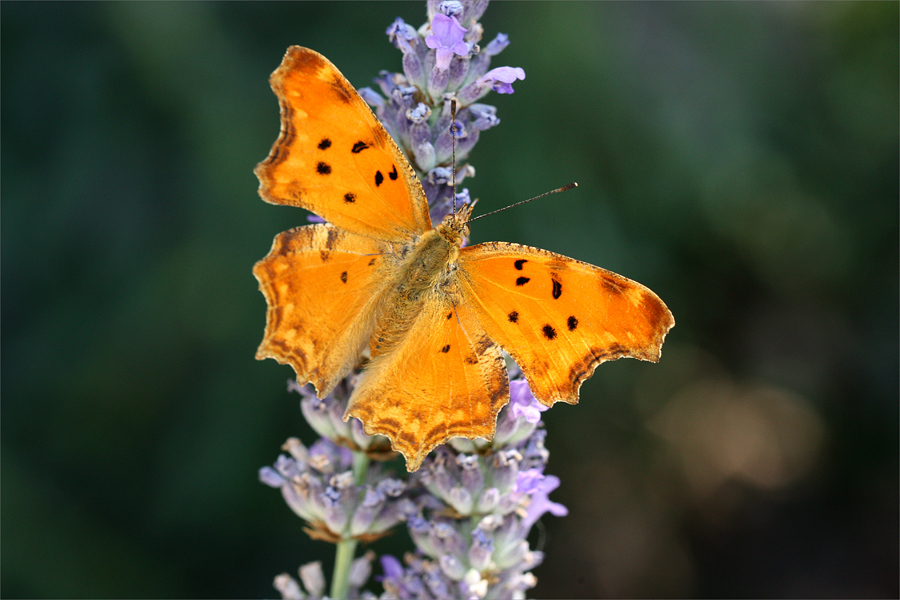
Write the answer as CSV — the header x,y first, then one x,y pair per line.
x,y
424,270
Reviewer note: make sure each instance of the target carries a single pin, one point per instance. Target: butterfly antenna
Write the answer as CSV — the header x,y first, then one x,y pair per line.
x,y
562,189
453,130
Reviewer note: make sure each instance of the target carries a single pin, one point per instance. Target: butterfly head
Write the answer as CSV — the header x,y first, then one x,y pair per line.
x,y
455,226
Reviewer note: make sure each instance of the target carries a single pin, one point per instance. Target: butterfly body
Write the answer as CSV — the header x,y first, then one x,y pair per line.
x,y
427,269
433,314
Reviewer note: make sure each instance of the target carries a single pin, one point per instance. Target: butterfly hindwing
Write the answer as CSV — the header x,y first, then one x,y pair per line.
x,y
443,379
322,286
557,317
334,157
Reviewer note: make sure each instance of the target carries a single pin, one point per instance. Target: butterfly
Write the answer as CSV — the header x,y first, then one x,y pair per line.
x,y
433,315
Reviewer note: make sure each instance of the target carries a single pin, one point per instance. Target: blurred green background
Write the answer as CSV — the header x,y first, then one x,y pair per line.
x,y
739,159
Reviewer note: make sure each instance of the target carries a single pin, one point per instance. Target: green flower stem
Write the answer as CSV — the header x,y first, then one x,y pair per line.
x,y
360,467
346,548
343,558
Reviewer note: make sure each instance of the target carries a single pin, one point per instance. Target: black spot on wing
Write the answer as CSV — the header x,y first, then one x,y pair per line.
x,y
513,317
371,262
548,332
393,173
359,147
344,277
325,144
446,349
350,197
449,314
519,263
572,323
557,288
323,168
379,178
522,280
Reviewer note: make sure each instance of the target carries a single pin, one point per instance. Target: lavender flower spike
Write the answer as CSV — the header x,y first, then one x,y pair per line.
x,y
471,505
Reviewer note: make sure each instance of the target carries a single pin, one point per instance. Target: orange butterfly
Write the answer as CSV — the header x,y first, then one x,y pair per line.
x,y
433,315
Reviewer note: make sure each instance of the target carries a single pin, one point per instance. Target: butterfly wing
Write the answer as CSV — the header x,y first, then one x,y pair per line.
x,y
333,157
557,317
322,286
443,379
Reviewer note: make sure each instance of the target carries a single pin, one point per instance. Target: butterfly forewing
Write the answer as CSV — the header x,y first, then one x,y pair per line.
x,y
557,317
334,158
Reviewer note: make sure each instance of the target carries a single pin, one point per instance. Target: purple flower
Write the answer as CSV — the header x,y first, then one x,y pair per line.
x,y
523,403
391,566
485,116
328,457
502,78
539,486
288,587
371,97
497,44
419,114
499,79
471,9
402,35
447,39
404,95
481,550
528,482
463,197
451,8
534,454
519,419
313,579
271,477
